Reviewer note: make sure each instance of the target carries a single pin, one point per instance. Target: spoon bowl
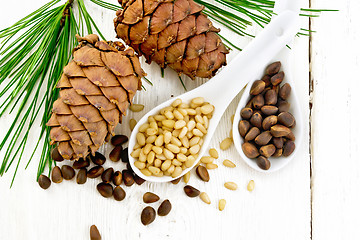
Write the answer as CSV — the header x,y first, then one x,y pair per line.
x,y
221,89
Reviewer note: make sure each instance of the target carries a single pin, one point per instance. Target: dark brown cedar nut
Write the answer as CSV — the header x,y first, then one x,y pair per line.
x,y
290,136
117,178
289,148
269,122
119,140
278,152
125,155
256,120
250,150
257,87
244,127
266,79
176,181
203,173
269,110
246,113
252,134
115,153
119,193
56,175
285,91
105,189
148,215
67,172
267,150
128,178
138,180
81,163
264,138
258,101
107,175
286,119
273,68
270,97
283,106
55,155
94,233
191,191
44,181
81,176
95,172
164,208
98,159
277,78
263,163
279,130
150,197
278,142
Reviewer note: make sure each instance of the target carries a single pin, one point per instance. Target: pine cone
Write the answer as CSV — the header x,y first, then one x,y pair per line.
x,y
96,89
173,33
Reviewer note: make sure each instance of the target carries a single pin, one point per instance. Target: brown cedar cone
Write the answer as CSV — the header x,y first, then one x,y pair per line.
x,y
174,33
96,88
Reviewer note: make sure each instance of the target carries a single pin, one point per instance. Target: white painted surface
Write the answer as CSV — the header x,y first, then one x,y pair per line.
x,y
280,205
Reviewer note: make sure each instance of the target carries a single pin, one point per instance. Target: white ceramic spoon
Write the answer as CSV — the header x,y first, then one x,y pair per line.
x,y
221,89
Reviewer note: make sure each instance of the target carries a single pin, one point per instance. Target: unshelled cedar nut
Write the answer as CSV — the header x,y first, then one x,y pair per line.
x,y
148,215
269,110
55,155
138,180
252,134
263,163
128,178
95,172
119,140
273,68
290,136
256,120
278,142
289,148
67,172
94,233
257,87
98,159
244,127
250,150
285,91
117,178
119,193
283,106
150,197
246,113
56,175
278,152
115,154
164,208
286,119
81,163
124,156
269,122
258,101
107,175
81,176
105,189
175,181
279,130
203,173
277,78
263,138
44,182
191,191
270,97
267,150
266,79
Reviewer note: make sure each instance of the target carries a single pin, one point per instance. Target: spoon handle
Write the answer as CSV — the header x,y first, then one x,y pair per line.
x,y
228,83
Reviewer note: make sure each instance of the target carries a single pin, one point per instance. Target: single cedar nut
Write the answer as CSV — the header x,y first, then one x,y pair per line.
x,y
267,150
252,134
283,106
214,153
186,177
81,176
273,68
119,140
256,120
278,142
244,127
277,78
132,124
105,189
228,163
164,208
119,193
138,180
250,150
95,172
191,191
94,233
203,174
290,136
128,178
124,156
116,153
44,182
56,175
266,79
269,122
257,87
222,203
98,159
289,148
285,91
230,185
270,97
263,163
117,178
205,197
55,155
258,101
251,185
286,119
226,143
81,163
67,172
279,131
246,113
107,175
269,110
263,138
148,215
150,197
278,152
175,181
211,166
136,107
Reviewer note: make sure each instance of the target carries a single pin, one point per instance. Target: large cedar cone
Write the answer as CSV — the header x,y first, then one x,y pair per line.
x,y
173,33
96,89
